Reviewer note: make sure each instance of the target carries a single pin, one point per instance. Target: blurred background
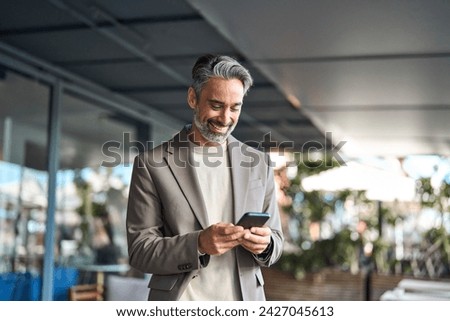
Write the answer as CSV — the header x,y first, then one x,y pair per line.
x,y
351,98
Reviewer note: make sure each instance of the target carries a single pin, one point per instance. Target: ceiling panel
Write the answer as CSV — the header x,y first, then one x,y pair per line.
x,y
145,8
373,73
370,82
359,56
133,74
389,123
67,45
182,38
29,14
324,28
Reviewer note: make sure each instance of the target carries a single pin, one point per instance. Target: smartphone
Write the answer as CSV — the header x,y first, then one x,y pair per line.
x,y
253,219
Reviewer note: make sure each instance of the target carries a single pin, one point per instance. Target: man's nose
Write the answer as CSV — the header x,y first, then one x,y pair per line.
x,y
225,116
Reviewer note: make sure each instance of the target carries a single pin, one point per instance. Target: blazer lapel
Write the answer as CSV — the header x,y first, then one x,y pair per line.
x,y
240,173
180,165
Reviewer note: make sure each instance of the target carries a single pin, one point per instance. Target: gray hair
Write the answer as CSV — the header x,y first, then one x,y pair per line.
x,y
210,66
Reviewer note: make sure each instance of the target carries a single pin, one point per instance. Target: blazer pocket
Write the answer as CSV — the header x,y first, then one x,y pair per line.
x,y
163,282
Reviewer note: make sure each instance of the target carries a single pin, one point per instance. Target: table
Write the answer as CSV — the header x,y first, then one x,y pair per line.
x,y
102,269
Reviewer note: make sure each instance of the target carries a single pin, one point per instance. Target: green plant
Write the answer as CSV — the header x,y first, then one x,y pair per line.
x,y
341,250
436,241
310,209
85,211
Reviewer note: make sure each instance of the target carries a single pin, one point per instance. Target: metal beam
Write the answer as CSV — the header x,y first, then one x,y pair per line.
x,y
53,157
104,24
136,47
26,63
308,60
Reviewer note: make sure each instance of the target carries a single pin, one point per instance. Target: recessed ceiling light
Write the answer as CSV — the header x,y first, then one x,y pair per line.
x,y
295,102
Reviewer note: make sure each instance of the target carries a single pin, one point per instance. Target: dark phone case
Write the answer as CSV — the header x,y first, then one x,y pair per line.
x,y
253,219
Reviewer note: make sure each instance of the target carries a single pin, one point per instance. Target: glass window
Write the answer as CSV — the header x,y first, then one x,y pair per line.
x,y
24,105
97,146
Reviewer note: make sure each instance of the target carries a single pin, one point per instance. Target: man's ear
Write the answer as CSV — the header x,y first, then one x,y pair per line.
x,y
192,98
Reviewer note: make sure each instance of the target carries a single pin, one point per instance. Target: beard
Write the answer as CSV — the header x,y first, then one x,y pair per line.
x,y
203,128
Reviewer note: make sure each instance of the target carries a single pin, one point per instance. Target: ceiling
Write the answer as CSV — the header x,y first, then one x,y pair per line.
x,y
372,77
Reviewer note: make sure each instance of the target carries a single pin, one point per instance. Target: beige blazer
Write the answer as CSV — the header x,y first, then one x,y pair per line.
x,y
166,213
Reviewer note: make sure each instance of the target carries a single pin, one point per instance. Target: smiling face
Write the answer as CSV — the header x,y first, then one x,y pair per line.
x,y
216,111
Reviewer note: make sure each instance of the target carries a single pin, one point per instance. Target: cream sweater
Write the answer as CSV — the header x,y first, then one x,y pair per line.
x,y
218,281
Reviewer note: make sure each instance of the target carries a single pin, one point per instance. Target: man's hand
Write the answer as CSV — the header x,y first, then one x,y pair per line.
x,y
220,238
256,239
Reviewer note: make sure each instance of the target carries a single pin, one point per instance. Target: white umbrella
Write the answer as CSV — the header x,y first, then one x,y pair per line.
x,y
379,184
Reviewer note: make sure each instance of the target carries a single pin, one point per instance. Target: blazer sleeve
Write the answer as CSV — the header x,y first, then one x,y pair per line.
x,y
149,250
275,247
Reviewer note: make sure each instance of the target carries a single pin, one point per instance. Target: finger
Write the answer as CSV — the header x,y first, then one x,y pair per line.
x,y
232,237
263,231
255,238
219,247
232,229
225,247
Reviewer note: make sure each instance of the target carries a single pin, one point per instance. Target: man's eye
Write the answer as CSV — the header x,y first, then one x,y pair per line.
x,y
216,107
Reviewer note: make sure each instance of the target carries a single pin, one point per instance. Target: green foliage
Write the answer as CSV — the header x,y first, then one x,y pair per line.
x,y
434,197
339,251
363,244
437,198
440,237
426,192
342,249
311,205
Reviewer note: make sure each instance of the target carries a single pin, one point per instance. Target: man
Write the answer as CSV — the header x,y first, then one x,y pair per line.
x,y
186,195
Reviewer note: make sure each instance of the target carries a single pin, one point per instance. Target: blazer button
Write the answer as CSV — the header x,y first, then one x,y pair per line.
x,y
186,266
